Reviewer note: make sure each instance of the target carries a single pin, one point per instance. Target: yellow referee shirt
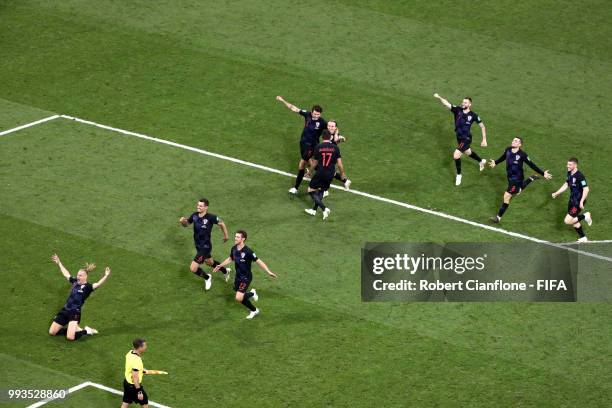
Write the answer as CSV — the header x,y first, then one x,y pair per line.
x,y
133,362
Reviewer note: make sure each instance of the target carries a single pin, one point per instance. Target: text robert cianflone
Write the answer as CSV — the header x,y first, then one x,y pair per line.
x,y
413,264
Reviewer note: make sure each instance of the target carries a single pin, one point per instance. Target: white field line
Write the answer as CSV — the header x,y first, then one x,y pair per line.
x,y
604,241
95,385
356,192
27,125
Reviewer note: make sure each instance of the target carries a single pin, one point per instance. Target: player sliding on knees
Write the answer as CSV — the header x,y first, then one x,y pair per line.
x,y
464,117
203,223
313,126
515,158
337,138
579,190
70,314
243,257
326,156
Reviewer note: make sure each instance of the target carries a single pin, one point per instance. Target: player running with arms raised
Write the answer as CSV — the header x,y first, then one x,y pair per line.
x,y
313,126
579,190
243,257
515,158
203,223
464,118
326,156
70,315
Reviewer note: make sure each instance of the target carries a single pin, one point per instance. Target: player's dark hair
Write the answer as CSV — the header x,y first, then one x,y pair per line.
x,y
243,233
203,200
137,343
326,134
573,160
468,98
317,108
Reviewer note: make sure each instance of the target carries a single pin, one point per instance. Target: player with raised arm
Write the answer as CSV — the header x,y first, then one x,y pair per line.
x,y
579,190
326,156
203,223
515,158
243,257
313,126
464,118
70,315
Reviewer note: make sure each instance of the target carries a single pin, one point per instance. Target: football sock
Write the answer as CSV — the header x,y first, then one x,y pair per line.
x,y
502,210
246,302
202,274
580,217
299,178
62,331
338,176
223,270
79,334
528,181
580,231
458,166
248,295
316,197
475,156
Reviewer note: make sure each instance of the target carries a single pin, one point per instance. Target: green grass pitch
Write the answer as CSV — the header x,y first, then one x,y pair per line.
x,y
205,74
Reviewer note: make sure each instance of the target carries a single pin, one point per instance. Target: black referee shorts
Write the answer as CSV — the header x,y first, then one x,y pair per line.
x,y
130,395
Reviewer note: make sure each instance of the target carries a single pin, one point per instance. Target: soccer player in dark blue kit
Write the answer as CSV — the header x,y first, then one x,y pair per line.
x,y
337,138
314,124
203,223
70,314
515,158
326,156
464,118
243,257
579,190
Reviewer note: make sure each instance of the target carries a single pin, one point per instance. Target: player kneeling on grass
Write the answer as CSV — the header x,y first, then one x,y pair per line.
x,y
579,190
70,314
243,257
203,223
133,392
326,156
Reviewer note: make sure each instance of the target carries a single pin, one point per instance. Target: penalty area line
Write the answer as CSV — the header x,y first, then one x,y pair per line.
x,y
356,192
95,385
27,125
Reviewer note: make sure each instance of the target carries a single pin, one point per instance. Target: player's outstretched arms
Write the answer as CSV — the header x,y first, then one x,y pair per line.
x,y
547,175
183,221
222,264
483,129
287,104
560,190
263,266
56,259
107,272
224,229
494,163
443,101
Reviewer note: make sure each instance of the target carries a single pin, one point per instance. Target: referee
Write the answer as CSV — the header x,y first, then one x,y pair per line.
x,y
133,392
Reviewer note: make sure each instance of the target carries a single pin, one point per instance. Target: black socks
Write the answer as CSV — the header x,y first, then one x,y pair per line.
x,y
317,197
202,274
338,176
502,210
580,217
246,302
475,156
580,232
299,178
79,334
458,166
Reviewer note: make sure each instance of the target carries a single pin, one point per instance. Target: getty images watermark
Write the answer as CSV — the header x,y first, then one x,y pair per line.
x,y
468,272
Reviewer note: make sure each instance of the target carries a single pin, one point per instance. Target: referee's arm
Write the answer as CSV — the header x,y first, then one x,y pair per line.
x,y
137,384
